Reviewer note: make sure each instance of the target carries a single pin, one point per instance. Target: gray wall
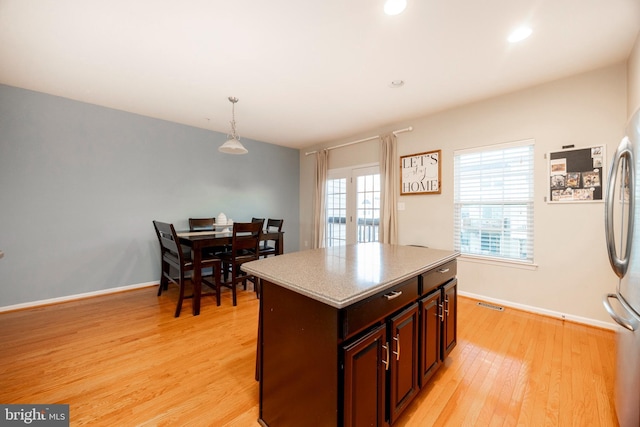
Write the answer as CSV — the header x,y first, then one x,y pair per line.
x,y
80,185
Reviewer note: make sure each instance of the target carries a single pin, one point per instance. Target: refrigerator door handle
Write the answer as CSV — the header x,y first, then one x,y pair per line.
x,y
630,323
623,153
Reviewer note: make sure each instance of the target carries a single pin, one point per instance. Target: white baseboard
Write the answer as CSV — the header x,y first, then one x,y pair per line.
x,y
542,311
32,304
523,307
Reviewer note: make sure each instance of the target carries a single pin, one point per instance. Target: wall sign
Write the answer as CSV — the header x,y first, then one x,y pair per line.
x,y
420,173
576,175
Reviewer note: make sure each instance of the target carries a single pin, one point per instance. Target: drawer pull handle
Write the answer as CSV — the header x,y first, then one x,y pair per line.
x,y
393,295
397,340
443,270
386,362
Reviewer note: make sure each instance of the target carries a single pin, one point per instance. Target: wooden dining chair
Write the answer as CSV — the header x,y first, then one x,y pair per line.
x,y
206,224
172,255
268,247
201,224
244,248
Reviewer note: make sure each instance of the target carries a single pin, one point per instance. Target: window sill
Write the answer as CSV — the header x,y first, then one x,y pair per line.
x,y
498,262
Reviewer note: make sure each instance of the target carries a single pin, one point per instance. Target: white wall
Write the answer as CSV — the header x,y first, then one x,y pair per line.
x,y
573,269
633,73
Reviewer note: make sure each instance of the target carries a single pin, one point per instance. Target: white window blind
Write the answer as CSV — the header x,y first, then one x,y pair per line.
x,y
493,201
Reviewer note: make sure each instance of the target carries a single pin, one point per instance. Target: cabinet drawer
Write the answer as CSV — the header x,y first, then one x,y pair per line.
x,y
437,276
367,312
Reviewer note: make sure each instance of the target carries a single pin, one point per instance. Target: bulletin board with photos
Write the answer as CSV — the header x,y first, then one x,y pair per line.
x,y
576,175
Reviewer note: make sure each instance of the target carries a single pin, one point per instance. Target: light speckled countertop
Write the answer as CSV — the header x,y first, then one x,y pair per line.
x,y
342,275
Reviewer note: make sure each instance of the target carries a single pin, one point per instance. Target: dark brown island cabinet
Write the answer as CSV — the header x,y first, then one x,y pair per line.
x,y
359,361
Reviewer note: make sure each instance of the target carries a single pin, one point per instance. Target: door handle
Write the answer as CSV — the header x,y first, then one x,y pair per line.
x,y
623,156
393,295
446,301
440,312
386,362
628,323
397,340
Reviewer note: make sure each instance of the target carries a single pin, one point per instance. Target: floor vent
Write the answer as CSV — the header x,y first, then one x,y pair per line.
x,y
491,306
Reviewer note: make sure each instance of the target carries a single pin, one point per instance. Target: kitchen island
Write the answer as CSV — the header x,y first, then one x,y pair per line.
x,y
349,335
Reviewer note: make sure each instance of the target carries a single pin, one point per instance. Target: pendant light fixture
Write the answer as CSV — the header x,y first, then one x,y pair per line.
x,y
394,7
233,145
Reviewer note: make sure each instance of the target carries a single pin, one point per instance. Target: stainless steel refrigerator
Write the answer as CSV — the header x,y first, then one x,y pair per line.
x,y
622,219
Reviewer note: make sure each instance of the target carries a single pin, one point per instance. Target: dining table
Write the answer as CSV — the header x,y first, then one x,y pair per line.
x,y
199,241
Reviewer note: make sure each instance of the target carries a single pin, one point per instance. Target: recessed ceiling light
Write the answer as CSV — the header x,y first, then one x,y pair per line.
x,y
519,34
396,84
394,7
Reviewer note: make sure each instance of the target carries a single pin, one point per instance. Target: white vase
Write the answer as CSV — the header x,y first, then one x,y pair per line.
x,y
221,219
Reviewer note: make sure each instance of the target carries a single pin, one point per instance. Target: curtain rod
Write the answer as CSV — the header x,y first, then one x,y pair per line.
x,y
395,132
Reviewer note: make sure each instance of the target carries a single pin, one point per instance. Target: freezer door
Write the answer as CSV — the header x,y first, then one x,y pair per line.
x,y
627,393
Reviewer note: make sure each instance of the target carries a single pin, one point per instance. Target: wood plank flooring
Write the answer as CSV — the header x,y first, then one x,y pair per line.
x,y
124,360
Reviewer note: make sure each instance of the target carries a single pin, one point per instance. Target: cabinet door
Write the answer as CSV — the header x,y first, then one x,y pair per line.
x,y
450,303
403,377
365,365
430,321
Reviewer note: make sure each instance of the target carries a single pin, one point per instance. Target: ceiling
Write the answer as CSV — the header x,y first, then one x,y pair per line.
x,y
304,72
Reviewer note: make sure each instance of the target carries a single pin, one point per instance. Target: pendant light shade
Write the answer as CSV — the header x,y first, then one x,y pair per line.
x,y
233,144
394,7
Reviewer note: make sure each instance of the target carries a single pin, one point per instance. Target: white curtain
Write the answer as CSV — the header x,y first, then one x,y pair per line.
x,y
389,188
319,211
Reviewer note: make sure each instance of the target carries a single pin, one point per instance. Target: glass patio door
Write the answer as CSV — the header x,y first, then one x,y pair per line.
x,y
353,205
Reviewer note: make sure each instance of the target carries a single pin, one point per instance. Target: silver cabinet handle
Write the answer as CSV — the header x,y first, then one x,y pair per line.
x,y
397,340
624,155
629,323
393,295
440,312
443,270
446,301
386,362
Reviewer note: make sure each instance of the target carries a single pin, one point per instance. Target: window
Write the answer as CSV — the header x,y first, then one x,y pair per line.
x,y
353,206
493,201
336,233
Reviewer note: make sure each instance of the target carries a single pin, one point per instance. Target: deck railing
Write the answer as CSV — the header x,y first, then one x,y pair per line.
x,y
337,230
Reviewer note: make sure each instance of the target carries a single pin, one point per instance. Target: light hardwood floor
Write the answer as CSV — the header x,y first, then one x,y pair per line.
x,y
124,360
